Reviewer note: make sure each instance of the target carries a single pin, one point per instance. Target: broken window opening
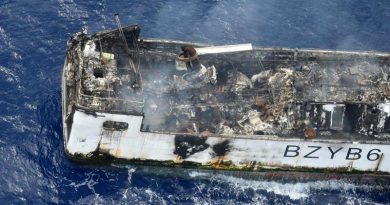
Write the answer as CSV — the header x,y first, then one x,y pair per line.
x,y
114,125
98,72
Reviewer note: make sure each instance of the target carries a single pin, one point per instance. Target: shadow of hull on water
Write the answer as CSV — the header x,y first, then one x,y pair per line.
x,y
272,176
261,187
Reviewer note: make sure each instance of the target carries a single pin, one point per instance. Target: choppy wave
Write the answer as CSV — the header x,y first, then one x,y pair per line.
x,y
146,185
33,36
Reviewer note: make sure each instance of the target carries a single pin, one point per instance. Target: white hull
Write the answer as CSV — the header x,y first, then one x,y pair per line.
x,y
242,152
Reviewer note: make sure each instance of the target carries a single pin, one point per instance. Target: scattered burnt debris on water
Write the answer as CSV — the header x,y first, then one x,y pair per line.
x,y
283,92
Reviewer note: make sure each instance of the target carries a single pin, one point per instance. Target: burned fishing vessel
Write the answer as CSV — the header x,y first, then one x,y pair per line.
x,y
234,107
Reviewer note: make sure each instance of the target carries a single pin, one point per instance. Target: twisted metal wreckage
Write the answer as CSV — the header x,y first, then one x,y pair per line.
x,y
232,107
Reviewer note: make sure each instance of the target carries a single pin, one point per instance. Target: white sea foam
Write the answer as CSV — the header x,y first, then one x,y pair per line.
x,y
10,75
90,181
18,124
6,39
295,191
198,174
130,172
70,10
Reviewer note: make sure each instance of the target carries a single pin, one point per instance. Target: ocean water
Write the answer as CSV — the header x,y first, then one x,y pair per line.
x,y
33,34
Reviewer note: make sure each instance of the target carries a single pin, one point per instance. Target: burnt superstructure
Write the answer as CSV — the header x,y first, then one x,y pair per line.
x,y
224,106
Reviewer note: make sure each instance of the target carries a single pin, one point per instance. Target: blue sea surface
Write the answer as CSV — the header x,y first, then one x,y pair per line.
x,y
33,35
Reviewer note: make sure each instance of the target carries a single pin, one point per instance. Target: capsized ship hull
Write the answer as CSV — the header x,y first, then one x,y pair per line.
x,y
236,107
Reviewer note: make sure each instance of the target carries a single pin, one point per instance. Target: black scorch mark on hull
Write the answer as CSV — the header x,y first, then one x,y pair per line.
x,y
222,148
186,146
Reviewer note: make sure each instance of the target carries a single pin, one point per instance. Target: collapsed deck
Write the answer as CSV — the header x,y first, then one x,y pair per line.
x,y
256,93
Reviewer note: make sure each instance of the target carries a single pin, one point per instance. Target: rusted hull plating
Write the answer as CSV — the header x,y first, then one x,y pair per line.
x,y
231,107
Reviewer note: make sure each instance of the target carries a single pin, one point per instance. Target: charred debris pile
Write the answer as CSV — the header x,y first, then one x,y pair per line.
x,y
283,92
